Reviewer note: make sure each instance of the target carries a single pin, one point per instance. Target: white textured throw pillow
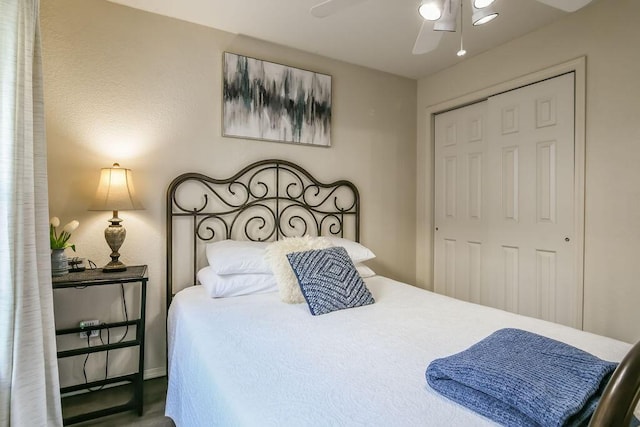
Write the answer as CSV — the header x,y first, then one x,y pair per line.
x,y
357,252
276,256
237,257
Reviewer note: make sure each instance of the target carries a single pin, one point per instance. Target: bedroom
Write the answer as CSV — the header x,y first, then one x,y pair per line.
x,y
120,86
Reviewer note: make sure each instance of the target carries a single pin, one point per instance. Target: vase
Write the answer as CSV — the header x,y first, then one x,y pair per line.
x,y
59,262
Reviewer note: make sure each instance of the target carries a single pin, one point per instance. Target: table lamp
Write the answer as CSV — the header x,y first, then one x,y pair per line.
x,y
115,193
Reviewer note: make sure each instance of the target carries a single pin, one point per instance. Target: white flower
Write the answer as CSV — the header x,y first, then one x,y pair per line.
x,y
61,241
70,227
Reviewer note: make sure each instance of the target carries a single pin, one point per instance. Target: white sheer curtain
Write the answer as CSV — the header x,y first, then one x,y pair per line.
x,y
29,393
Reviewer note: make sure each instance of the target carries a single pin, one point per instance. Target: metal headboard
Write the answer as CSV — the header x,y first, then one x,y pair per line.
x,y
265,201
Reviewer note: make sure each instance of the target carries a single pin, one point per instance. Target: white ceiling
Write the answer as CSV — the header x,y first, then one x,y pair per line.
x,y
378,34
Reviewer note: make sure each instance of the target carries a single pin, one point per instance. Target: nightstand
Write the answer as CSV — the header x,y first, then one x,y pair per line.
x,y
96,277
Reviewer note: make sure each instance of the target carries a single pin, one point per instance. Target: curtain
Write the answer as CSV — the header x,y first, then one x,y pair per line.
x,y
29,385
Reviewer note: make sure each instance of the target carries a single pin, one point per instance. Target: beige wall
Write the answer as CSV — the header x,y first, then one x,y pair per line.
x,y
607,34
144,90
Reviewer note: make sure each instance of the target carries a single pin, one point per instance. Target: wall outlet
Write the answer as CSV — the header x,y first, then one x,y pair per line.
x,y
86,323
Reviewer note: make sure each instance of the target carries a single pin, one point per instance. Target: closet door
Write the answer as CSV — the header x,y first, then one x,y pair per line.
x,y
519,255
460,202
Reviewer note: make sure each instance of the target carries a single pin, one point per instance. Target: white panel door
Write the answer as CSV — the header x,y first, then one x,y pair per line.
x,y
531,157
519,254
460,217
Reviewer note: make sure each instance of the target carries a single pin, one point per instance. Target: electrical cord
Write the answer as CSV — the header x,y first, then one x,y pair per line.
x,y
126,314
106,364
92,266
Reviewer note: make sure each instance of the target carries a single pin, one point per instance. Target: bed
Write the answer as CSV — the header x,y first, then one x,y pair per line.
x,y
253,360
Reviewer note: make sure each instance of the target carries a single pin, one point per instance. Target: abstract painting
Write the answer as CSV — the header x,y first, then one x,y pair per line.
x,y
274,102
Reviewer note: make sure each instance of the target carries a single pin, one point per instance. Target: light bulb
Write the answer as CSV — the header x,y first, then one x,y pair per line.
x,y
482,3
461,52
430,11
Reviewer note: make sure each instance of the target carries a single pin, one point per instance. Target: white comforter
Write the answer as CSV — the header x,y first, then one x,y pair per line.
x,y
254,361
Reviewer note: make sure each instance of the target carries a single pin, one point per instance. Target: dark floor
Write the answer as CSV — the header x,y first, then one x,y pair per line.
x,y
155,392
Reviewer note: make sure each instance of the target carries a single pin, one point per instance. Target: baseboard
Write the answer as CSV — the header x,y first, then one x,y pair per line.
x,y
154,373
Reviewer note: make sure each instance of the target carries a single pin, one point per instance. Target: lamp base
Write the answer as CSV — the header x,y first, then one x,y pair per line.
x,y
114,267
115,234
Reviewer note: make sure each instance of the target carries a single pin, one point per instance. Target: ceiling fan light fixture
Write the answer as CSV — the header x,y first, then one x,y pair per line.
x,y
449,19
445,25
482,16
430,10
484,19
480,4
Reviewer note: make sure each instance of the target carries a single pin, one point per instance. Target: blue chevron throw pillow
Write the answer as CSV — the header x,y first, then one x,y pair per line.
x,y
329,281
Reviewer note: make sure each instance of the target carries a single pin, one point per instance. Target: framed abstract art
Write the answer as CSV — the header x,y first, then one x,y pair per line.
x,y
274,102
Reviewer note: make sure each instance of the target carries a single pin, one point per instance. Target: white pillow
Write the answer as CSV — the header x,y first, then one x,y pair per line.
x,y
276,256
357,252
232,285
364,271
237,257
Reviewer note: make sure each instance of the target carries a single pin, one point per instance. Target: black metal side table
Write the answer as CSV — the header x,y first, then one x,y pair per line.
x,y
96,277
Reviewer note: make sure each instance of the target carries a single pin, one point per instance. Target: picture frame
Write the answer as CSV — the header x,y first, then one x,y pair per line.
x,y
273,102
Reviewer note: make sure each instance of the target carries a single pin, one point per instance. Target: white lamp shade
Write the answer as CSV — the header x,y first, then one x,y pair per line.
x,y
479,4
449,18
484,15
115,191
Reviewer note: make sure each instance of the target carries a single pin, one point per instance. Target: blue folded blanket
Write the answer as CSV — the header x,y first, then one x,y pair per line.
x,y
518,378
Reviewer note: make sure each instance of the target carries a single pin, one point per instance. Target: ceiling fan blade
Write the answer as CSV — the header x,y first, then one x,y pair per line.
x,y
427,39
329,7
566,5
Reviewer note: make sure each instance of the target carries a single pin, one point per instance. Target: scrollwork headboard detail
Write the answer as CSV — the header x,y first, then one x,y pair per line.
x,y
265,201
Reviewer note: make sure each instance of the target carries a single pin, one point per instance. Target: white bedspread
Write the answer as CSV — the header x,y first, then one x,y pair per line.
x,y
254,361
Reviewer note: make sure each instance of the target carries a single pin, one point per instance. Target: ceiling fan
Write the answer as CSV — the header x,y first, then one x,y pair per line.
x,y
442,15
